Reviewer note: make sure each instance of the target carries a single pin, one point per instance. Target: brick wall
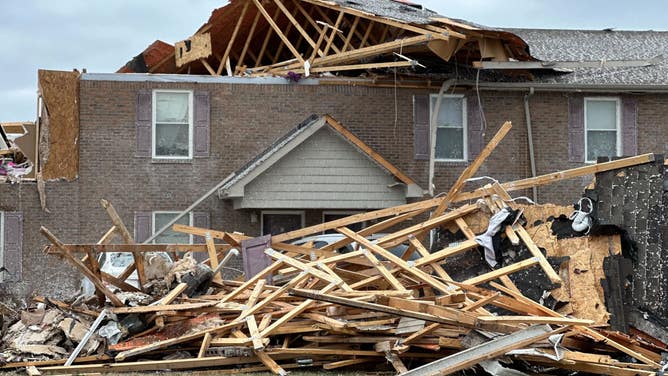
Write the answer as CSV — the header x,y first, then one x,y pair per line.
x,y
247,118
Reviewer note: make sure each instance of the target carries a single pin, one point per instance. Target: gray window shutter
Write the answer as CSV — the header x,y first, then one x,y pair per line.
x,y
202,220
201,130
13,246
576,138
421,127
143,123
475,132
629,126
143,226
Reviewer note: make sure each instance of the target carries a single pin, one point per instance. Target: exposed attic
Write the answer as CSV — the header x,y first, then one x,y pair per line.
x,y
312,37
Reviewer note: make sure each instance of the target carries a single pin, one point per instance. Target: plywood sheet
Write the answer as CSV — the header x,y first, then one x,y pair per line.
x,y
59,143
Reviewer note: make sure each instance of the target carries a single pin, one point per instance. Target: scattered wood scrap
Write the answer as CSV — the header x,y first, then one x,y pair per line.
x,y
371,306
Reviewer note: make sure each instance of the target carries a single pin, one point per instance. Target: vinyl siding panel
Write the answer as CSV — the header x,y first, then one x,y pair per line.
x,y
325,171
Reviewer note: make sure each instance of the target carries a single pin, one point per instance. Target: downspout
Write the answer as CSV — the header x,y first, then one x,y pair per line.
x,y
432,131
532,159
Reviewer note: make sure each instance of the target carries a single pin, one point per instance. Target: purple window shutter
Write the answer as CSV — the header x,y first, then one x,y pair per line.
x,y
475,133
143,226
201,130
421,127
255,260
143,123
576,137
13,246
629,126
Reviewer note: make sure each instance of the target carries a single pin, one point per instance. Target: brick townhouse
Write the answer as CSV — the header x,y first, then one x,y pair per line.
x,y
154,137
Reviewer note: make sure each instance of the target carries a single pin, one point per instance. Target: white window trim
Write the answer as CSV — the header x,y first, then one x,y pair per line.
x,y
618,128
191,108
301,213
465,145
341,212
153,229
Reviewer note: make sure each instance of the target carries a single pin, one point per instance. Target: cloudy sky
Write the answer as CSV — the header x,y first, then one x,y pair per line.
x,y
102,35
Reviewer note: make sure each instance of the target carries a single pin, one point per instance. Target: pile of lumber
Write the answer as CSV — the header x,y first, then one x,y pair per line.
x,y
366,308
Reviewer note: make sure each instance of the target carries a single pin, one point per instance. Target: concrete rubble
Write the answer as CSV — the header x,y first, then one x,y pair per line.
x,y
555,300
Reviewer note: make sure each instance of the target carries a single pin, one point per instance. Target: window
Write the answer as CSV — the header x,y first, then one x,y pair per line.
x,y
278,222
172,124
170,236
602,128
450,127
329,216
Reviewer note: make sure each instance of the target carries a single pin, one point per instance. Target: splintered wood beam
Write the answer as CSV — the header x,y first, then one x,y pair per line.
x,y
82,268
267,37
278,31
138,257
233,38
383,20
424,253
251,33
279,50
328,21
561,175
409,269
334,32
207,66
351,33
471,170
367,33
360,144
401,209
296,24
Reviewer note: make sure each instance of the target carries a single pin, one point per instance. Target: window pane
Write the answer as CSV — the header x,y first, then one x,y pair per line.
x,y
171,140
172,107
601,144
450,143
170,236
601,115
275,224
450,112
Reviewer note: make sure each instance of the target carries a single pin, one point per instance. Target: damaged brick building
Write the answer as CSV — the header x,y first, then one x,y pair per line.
x,y
422,93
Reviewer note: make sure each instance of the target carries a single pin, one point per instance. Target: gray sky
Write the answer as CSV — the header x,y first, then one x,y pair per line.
x,y
103,35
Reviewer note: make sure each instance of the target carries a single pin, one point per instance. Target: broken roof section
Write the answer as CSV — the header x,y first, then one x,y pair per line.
x,y
356,176
303,37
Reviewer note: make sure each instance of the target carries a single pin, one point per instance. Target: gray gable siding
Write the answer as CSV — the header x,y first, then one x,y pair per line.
x,y
324,172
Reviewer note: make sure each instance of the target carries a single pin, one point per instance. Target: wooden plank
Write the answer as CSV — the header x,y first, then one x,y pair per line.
x,y
384,272
333,34
82,268
166,307
322,227
213,257
296,24
233,38
141,248
251,33
346,363
205,345
561,175
420,333
481,302
521,265
472,168
416,272
176,291
535,320
254,333
138,258
487,350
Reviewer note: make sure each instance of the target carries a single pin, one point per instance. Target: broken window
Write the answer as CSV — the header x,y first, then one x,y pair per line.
x,y
172,122
450,127
170,236
602,128
278,222
18,151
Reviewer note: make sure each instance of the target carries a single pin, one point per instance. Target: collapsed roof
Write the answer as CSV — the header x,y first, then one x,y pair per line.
x,y
303,37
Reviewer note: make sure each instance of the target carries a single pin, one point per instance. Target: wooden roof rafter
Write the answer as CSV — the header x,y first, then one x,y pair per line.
x,y
277,37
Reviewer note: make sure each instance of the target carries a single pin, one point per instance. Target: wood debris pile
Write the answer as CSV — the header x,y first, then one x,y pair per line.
x,y
369,307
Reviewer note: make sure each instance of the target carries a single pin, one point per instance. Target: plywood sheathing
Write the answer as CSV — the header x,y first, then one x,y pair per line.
x,y
59,130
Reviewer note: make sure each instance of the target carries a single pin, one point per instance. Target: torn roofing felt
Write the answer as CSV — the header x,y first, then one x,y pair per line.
x,y
296,137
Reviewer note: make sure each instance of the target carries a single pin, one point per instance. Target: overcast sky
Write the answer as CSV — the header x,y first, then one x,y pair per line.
x,y
103,35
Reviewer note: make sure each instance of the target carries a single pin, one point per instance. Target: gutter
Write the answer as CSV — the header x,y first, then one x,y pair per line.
x,y
537,86
532,158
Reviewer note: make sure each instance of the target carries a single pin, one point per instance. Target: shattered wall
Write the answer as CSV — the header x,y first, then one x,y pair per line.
x,y
633,199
